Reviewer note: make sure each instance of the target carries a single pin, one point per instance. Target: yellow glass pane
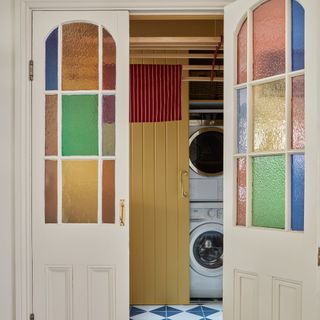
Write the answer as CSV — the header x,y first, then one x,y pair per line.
x,y
269,124
79,56
79,191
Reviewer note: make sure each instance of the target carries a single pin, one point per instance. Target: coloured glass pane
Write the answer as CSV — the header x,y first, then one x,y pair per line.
x,y
242,120
268,197
79,125
108,125
51,146
298,112
269,125
297,36
108,191
52,61
297,192
51,190
241,191
109,61
269,39
79,56
242,53
79,191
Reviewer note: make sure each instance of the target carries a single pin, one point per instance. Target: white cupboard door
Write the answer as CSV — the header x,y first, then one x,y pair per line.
x,y
80,165
271,171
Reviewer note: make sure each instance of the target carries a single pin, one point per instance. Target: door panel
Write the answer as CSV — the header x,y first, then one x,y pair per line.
x,y
80,168
159,266
270,269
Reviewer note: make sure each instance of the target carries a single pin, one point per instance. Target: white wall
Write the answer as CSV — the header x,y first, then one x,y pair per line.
x,y
6,159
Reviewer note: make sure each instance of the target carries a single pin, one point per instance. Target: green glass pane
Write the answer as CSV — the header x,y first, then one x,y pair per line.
x,y
79,125
268,185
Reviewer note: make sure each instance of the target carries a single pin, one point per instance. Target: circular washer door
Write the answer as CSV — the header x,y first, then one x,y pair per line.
x,y
206,249
206,151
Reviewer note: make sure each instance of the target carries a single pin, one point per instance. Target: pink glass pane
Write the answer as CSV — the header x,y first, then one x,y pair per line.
x,y
242,53
109,61
269,39
241,191
298,112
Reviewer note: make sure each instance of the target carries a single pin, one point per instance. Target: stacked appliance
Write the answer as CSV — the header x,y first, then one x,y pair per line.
x,y
206,203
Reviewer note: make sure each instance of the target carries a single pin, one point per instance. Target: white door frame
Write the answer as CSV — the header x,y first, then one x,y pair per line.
x,y
22,129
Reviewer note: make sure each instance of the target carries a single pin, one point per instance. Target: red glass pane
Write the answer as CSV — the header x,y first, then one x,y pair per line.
x,y
242,53
108,191
109,61
269,39
241,191
298,112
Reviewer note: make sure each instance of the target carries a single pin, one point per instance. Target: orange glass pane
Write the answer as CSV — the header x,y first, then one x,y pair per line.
x,y
269,39
51,146
51,191
298,112
108,191
79,56
109,61
241,191
79,191
242,53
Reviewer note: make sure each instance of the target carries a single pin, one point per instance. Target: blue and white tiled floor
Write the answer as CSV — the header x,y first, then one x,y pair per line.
x,y
208,311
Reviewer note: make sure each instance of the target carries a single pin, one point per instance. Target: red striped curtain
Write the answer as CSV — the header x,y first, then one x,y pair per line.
x,y
155,92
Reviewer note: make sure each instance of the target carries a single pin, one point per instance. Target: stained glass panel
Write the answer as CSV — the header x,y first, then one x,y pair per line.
x,y
51,146
269,124
108,191
52,61
298,112
242,120
108,125
241,191
79,125
242,53
109,61
297,38
79,56
51,191
79,191
269,39
297,192
268,196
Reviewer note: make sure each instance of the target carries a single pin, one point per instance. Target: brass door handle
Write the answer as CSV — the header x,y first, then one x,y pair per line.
x,y
122,212
183,176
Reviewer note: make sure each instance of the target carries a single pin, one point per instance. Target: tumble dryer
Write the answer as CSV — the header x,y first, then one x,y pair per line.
x,y
206,157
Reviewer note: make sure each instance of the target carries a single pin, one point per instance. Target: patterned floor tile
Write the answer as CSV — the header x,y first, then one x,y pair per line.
x,y
206,311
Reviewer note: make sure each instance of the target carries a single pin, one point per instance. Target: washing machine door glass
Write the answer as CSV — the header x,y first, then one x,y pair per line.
x,y
208,249
206,151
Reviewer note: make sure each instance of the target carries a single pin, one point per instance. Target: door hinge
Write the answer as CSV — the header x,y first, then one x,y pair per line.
x,y
31,70
31,317
318,257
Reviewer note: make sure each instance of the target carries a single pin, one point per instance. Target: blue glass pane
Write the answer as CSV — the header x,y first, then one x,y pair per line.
x,y
242,120
297,36
297,192
52,61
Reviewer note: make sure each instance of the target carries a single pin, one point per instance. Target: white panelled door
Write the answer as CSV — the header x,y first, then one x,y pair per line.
x,y
271,170
80,165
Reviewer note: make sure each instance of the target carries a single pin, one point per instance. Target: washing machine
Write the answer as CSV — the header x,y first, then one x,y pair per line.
x,y
206,249
206,157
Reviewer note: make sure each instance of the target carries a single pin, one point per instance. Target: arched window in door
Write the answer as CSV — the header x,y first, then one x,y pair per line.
x,y
269,155
80,98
